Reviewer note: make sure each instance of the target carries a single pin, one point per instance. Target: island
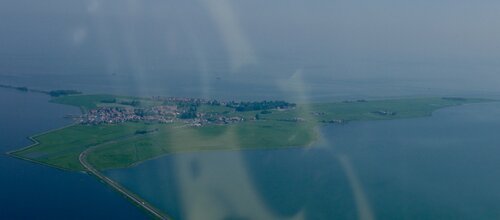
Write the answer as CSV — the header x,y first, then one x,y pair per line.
x,y
121,131
124,131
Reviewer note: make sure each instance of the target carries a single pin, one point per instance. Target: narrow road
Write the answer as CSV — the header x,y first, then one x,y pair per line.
x,y
140,202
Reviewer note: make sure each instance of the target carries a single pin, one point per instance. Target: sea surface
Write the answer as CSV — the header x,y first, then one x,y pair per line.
x,y
440,167
33,191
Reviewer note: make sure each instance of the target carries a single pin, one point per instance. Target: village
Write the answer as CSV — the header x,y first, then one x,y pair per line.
x,y
158,114
184,110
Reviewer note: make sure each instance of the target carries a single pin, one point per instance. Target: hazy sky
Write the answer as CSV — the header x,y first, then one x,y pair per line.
x,y
385,38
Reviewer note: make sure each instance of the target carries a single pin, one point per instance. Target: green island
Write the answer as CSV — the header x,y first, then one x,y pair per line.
x,y
121,131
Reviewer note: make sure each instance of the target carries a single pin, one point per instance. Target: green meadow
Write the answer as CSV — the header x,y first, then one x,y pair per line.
x,y
122,145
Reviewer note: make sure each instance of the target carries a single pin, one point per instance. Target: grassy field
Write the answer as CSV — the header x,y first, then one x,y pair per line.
x,y
120,145
369,110
61,148
88,102
169,139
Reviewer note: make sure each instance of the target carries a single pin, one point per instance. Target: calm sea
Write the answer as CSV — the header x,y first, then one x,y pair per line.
x,y
32,191
440,167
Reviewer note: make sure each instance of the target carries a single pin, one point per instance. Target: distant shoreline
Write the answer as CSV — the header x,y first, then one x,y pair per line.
x,y
52,93
88,148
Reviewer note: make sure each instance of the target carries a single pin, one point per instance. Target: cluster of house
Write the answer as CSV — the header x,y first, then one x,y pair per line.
x,y
385,113
187,100
202,120
163,110
177,99
114,115
160,114
178,109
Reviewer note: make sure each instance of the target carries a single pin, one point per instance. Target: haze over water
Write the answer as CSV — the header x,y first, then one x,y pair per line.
x,y
206,48
430,168
439,167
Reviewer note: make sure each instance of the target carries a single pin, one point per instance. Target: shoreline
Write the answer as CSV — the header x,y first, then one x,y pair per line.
x,y
33,139
135,199
317,138
89,170
319,124
35,143
132,197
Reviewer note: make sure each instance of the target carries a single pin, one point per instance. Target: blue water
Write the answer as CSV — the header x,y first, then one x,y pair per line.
x,y
326,88
32,191
440,167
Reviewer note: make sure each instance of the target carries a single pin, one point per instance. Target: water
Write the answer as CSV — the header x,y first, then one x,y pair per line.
x,y
32,191
324,51
249,85
439,167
